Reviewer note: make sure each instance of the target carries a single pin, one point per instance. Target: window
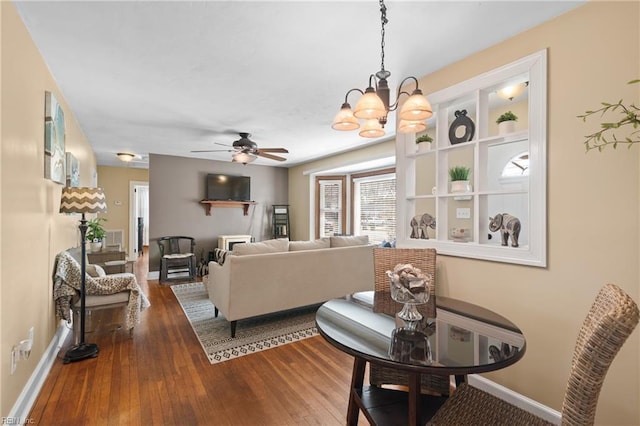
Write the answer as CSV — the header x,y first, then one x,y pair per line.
x,y
374,205
330,204
517,166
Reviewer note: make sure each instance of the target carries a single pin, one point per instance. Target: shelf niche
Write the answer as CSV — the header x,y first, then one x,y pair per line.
x,y
242,204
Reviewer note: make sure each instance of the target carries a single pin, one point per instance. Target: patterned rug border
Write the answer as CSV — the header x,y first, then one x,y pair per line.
x,y
252,335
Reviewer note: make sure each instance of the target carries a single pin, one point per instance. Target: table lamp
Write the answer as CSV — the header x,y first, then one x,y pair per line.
x,y
82,200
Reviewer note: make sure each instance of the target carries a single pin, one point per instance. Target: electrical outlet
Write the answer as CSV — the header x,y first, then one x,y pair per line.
x,y
463,213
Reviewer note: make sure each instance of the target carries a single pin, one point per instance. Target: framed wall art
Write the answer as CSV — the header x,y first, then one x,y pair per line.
x,y
73,170
54,154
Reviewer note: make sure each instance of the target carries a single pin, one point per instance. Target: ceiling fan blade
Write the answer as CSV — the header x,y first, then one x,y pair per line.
x,y
214,150
270,156
280,150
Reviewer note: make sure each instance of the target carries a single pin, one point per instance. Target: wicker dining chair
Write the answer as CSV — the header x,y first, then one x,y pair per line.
x,y
612,318
385,259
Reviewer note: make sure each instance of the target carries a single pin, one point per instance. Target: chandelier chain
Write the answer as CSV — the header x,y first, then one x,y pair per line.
x,y
384,21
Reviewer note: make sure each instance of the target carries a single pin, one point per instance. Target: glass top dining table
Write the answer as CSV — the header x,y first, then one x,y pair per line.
x,y
462,339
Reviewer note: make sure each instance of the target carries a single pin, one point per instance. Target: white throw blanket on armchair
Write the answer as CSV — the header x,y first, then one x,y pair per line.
x,y
66,288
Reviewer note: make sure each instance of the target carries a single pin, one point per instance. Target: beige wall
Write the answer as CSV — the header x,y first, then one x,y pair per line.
x,y
299,179
115,182
593,207
32,230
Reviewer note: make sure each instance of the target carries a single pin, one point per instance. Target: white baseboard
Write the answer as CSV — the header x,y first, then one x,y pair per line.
x,y
27,397
521,401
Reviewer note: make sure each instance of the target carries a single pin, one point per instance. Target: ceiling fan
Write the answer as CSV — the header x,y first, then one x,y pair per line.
x,y
245,150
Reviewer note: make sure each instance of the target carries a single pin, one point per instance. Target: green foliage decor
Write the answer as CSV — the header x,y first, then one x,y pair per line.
x,y
459,173
630,117
507,116
424,138
96,231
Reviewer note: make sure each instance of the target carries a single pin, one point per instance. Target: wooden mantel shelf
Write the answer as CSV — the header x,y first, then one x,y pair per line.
x,y
244,204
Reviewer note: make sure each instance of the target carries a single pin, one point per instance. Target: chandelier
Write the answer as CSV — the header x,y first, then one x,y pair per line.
x,y
373,106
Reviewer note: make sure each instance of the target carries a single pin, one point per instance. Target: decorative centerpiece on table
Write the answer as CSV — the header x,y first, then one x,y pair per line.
x,y
409,285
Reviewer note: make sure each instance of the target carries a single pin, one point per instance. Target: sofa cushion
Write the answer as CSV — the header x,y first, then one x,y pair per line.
x,y
321,243
268,246
360,240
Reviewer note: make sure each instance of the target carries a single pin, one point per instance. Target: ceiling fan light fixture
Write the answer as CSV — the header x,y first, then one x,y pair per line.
x,y
126,156
372,129
345,120
243,157
408,126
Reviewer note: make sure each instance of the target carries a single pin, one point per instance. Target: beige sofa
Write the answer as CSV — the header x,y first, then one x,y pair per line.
x,y
276,275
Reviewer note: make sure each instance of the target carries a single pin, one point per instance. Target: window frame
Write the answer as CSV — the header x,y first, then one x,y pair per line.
x,y
343,201
363,176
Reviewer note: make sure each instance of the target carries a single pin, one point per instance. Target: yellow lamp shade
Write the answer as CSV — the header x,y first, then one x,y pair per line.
x,y
345,120
406,126
417,107
370,106
372,129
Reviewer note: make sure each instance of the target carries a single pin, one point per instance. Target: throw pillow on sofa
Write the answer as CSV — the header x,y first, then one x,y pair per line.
x,y
321,243
359,240
219,255
268,246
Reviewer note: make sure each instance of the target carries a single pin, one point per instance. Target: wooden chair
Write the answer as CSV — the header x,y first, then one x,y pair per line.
x,y
177,257
386,259
612,318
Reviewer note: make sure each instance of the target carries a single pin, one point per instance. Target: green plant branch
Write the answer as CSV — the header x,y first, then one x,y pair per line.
x,y
606,136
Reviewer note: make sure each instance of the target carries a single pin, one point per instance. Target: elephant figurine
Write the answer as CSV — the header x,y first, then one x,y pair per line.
x,y
508,225
419,225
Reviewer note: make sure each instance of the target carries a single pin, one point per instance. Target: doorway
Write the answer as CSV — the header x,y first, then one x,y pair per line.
x,y
138,217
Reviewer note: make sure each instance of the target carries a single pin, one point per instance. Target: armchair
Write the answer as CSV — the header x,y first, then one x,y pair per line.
x,y
102,291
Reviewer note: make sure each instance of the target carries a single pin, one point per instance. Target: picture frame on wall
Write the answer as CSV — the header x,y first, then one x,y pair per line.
x,y
54,134
73,170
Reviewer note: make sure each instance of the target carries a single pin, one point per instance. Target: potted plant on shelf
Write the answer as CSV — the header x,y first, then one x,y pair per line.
x,y
424,142
507,123
459,176
95,233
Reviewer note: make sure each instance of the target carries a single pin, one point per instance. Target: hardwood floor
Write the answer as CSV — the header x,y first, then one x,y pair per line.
x,y
162,376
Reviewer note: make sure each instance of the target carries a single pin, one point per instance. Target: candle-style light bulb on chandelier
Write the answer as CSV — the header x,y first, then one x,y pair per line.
x,y
373,106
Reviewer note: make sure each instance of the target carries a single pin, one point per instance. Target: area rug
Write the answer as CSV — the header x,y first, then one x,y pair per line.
x,y
252,335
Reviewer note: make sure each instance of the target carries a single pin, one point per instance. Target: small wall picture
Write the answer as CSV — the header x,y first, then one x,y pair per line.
x,y
73,170
54,154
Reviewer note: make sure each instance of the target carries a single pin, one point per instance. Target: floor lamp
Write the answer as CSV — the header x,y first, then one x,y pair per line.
x,y
82,200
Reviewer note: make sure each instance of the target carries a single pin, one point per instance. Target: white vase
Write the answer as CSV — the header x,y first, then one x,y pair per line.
x,y
506,127
458,186
95,246
424,146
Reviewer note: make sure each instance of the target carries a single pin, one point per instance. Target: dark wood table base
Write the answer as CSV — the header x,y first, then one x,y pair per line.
x,y
383,406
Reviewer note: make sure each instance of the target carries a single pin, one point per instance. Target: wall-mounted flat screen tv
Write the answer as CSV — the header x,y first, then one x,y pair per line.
x,y
228,187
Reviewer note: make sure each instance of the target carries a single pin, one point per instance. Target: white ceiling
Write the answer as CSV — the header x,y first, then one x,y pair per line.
x,y
170,77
